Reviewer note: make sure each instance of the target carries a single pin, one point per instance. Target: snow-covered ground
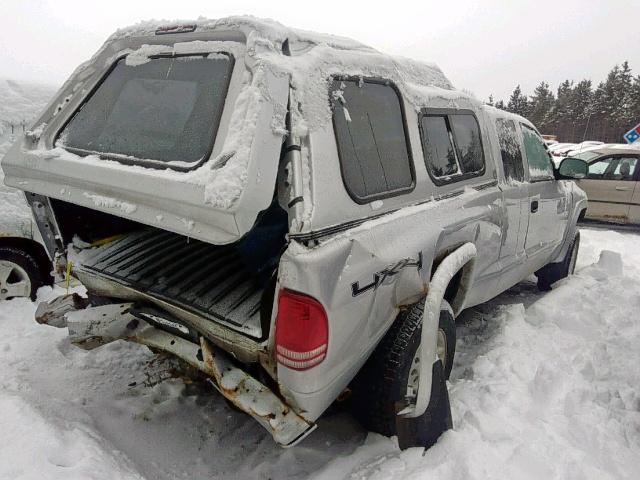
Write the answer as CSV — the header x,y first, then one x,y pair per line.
x,y
544,386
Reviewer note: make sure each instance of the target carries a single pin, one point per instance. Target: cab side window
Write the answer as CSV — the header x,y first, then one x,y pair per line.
x,y
372,141
537,155
510,150
452,145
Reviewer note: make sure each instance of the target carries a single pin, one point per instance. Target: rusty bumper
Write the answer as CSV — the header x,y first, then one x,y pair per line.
x,y
91,327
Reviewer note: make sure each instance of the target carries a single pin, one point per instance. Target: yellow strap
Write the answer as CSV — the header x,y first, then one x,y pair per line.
x,y
68,275
103,241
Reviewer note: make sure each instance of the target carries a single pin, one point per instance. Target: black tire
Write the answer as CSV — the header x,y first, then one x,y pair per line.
x,y
382,382
29,265
553,272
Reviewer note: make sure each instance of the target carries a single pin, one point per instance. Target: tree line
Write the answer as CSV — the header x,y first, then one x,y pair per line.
x,y
578,111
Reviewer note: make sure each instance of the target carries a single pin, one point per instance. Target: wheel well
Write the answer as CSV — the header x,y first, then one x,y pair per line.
x,y
458,285
453,287
32,247
582,214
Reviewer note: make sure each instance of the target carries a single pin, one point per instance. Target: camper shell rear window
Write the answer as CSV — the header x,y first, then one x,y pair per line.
x,y
163,113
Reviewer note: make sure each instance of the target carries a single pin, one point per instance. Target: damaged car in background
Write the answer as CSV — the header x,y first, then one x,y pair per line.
x,y
294,214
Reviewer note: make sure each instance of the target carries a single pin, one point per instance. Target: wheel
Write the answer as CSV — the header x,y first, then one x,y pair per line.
x,y
391,374
553,272
20,275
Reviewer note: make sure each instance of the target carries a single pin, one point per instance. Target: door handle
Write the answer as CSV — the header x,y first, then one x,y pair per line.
x,y
534,206
623,189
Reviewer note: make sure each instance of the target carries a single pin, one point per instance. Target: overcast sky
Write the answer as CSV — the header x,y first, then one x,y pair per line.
x,y
485,47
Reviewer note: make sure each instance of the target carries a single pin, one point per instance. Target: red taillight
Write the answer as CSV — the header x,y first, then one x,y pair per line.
x,y
301,331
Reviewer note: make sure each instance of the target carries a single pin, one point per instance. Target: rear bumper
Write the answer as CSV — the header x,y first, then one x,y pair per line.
x,y
95,326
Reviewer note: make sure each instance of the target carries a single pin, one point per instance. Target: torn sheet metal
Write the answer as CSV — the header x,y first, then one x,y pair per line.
x,y
254,398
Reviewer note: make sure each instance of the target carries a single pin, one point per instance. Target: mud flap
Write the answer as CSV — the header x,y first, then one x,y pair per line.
x,y
424,431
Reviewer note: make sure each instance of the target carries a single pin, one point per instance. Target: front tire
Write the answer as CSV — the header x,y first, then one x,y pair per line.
x,y
553,272
391,372
20,274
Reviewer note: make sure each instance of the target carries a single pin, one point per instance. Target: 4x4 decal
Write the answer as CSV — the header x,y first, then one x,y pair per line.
x,y
382,275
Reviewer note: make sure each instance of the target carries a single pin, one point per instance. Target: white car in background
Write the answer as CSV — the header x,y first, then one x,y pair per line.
x,y
557,146
584,146
559,151
24,263
571,149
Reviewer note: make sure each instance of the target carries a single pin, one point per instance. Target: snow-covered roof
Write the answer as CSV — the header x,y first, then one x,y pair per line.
x,y
264,28
311,59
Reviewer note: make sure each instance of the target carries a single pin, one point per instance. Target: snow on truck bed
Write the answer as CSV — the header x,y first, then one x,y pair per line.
x,y
543,386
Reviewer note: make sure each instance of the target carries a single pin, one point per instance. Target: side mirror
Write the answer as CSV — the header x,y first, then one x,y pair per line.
x,y
572,169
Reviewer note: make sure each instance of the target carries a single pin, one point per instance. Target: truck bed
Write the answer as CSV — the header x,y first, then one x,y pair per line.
x,y
209,280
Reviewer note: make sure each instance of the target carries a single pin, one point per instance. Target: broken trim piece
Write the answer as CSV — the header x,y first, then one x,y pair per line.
x,y
437,288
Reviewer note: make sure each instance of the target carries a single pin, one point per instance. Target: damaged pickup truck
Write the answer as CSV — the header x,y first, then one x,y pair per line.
x,y
294,214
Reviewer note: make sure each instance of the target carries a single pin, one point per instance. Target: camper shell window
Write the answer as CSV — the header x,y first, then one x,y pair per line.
x,y
452,145
163,113
372,140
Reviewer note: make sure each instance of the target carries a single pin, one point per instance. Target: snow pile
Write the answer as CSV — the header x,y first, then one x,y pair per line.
x,y
543,386
66,446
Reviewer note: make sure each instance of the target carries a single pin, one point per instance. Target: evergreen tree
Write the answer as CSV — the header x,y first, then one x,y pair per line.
x,y
634,104
581,111
623,108
541,107
578,111
518,102
562,112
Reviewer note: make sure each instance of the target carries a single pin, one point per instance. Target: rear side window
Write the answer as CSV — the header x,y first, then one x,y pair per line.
x,y
163,113
625,168
537,155
372,141
452,146
510,150
613,168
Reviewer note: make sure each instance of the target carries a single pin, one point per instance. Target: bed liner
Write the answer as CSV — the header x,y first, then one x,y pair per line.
x,y
209,280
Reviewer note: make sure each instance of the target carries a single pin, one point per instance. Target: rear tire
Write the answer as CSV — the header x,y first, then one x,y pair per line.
x,y
553,272
20,274
384,379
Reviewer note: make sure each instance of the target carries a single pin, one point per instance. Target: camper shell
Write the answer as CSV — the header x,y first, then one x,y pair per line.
x,y
197,211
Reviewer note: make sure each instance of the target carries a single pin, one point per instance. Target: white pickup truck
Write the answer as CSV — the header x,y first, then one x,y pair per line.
x,y
297,215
